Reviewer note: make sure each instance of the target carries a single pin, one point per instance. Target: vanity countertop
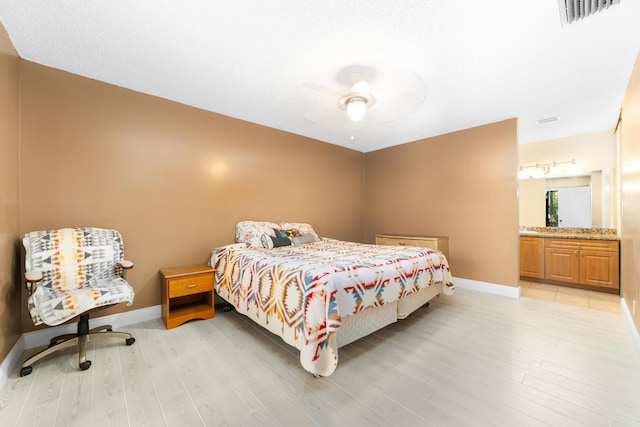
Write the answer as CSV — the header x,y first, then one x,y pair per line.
x,y
570,233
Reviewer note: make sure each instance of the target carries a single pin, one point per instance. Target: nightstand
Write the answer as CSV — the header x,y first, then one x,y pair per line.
x,y
187,293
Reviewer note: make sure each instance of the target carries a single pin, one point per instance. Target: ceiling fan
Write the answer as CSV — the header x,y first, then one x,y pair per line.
x,y
357,89
357,102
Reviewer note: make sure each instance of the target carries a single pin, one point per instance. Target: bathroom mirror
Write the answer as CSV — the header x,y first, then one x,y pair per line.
x,y
581,201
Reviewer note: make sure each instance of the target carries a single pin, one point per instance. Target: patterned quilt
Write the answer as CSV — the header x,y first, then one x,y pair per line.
x,y
301,292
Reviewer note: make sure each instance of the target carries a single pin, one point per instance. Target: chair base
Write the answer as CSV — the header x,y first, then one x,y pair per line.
x,y
84,336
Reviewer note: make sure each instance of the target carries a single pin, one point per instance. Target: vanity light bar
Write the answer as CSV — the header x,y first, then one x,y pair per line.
x,y
540,169
548,165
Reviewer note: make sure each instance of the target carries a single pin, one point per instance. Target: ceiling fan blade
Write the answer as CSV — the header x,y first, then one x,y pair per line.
x,y
399,99
394,107
323,89
317,113
316,107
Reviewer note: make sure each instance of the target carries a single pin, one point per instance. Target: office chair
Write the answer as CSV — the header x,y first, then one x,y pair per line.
x,y
72,272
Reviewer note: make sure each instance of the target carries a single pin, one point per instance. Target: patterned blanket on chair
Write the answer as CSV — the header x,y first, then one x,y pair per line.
x,y
301,292
79,272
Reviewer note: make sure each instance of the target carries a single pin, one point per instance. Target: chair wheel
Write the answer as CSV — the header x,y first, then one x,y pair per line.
x,y
130,340
85,365
26,370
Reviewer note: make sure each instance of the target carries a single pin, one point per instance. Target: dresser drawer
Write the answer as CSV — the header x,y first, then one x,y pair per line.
x,y
190,285
439,243
400,241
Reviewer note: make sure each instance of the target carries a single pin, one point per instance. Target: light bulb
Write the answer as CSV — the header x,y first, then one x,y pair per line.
x,y
356,108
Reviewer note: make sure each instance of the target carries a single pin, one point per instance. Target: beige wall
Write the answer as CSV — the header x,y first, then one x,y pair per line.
x,y
462,185
630,197
531,200
172,179
10,305
592,151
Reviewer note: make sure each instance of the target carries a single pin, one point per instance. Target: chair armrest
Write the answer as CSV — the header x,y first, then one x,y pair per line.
x,y
32,277
126,265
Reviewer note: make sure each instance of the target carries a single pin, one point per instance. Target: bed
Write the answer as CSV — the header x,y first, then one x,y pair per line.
x,y
319,294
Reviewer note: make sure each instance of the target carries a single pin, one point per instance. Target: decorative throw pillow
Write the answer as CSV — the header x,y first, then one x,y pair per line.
x,y
303,227
267,243
291,232
270,242
304,239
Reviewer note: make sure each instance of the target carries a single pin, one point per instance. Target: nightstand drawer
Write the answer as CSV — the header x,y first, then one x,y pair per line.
x,y
190,285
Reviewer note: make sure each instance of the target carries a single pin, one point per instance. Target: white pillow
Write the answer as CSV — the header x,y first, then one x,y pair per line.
x,y
251,231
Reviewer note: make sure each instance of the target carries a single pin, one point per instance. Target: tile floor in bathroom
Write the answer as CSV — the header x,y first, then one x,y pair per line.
x,y
570,296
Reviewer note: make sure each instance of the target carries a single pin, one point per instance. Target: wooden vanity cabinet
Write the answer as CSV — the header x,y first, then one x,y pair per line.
x,y
590,264
532,257
586,262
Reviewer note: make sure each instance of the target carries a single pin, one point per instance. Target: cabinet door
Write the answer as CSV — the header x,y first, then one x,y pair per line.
x,y
562,265
600,269
532,257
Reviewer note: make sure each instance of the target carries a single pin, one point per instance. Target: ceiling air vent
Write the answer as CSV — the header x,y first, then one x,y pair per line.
x,y
574,10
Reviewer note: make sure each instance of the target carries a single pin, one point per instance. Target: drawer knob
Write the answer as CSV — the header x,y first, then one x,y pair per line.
x,y
402,244
193,285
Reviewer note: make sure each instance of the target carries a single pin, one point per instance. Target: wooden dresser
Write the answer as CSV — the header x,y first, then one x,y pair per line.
x,y
440,243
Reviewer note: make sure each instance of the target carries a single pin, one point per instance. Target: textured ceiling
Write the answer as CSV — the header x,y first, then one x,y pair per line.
x,y
433,66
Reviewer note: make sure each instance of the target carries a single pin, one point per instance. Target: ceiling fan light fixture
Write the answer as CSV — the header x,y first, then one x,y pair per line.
x,y
356,107
358,101
360,87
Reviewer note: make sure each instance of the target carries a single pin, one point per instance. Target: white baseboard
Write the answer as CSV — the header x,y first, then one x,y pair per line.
x,y
632,326
41,337
10,361
490,288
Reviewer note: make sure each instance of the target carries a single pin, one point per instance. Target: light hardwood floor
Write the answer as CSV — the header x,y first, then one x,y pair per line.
x,y
471,359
